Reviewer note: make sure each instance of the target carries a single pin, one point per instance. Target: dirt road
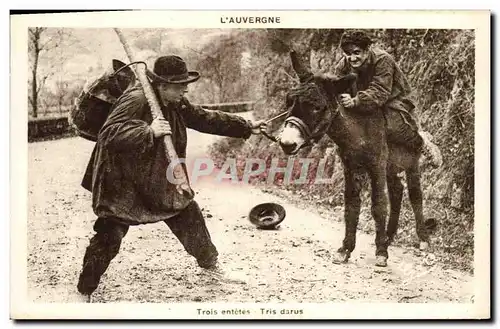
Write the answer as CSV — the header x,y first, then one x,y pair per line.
x,y
287,265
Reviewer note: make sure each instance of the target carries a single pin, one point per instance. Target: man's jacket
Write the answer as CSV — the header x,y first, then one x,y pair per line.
x,y
127,171
380,83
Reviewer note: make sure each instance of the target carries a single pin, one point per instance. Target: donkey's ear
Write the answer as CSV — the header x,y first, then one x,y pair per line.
x,y
302,72
351,77
336,84
296,64
345,82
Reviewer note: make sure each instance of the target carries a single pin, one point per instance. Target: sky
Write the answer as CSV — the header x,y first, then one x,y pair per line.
x,y
94,48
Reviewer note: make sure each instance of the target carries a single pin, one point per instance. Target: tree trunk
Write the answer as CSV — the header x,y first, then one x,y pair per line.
x,y
34,82
34,91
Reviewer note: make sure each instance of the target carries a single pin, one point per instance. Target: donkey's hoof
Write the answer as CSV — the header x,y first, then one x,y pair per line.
x,y
381,261
341,256
424,245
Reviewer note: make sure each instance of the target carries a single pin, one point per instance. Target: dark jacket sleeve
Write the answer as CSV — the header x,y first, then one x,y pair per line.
x,y
379,89
125,128
214,122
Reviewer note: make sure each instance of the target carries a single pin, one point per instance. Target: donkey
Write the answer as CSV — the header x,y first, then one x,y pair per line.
x,y
313,111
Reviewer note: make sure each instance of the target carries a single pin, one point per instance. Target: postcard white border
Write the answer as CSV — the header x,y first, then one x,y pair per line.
x,y
477,20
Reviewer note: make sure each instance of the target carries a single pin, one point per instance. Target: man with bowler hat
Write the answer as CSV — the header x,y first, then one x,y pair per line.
x,y
127,171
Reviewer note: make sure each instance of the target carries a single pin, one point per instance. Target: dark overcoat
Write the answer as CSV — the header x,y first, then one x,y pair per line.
x,y
127,170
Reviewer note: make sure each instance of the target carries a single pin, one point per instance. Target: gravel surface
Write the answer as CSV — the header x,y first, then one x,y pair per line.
x,y
291,264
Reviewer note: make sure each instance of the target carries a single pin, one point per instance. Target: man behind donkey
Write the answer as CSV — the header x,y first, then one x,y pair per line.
x,y
127,171
381,83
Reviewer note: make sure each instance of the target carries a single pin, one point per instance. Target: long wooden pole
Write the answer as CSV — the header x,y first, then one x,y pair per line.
x,y
185,193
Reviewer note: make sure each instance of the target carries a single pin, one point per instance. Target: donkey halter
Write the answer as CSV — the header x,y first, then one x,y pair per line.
x,y
310,137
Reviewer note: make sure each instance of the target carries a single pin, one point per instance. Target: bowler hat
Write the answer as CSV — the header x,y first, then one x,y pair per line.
x,y
267,215
172,69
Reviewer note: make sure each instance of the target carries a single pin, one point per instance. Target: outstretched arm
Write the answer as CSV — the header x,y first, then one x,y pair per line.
x,y
216,122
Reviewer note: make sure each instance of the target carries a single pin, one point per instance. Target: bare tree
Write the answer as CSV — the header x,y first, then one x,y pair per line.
x,y
35,47
148,39
61,91
41,39
220,61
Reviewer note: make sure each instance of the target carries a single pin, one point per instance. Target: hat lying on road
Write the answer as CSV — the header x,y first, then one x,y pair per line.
x,y
267,215
172,69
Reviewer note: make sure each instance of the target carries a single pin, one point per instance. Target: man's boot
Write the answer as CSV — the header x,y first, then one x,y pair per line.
x,y
218,273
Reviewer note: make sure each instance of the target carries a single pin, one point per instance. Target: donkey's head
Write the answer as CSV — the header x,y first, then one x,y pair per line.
x,y
311,105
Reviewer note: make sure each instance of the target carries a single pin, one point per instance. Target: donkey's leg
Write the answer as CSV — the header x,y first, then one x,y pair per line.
x,y
352,206
395,188
416,199
380,202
